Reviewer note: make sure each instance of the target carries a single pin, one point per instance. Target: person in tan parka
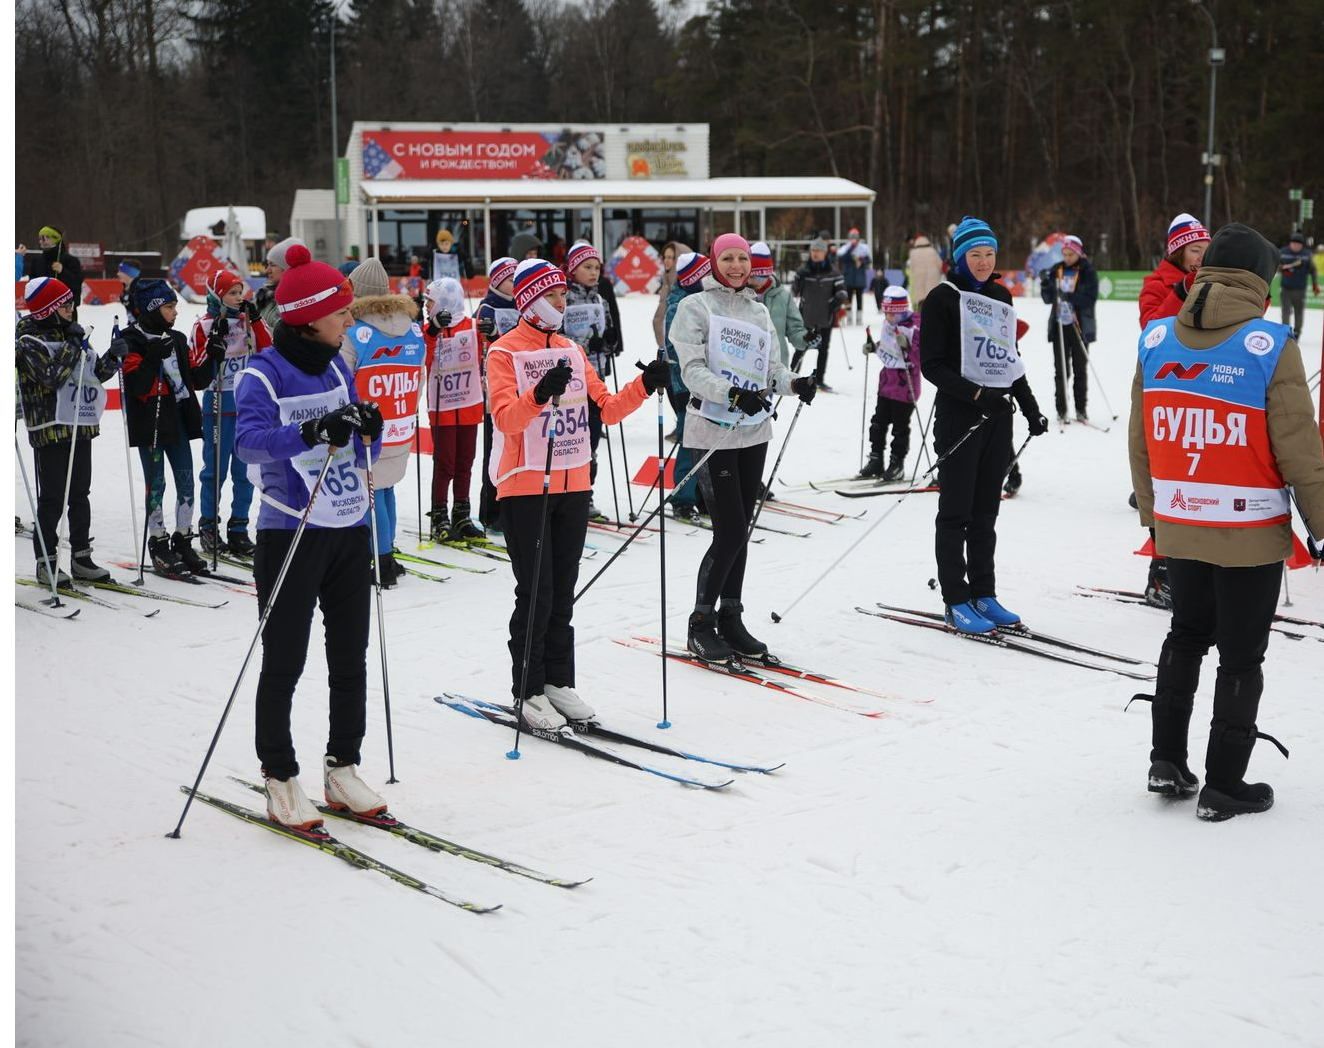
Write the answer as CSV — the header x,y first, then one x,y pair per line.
x,y
925,265
1221,426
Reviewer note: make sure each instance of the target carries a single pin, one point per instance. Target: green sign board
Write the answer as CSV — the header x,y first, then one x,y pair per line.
x,y
1120,285
342,180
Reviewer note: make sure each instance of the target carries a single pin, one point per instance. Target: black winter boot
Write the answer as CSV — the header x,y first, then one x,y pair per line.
x,y
731,628
209,537
703,639
236,536
165,561
896,470
872,469
462,525
1172,703
1232,735
182,546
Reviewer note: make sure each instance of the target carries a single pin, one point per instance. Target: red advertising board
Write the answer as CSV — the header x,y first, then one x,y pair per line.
x,y
483,154
635,266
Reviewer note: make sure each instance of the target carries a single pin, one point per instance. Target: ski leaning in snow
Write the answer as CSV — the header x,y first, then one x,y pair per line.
x,y
566,737
416,573
77,594
739,671
390,824
776,665
148,594
1003,640
49,612
869,494
1127,597
324,842
597,730
207,576
1133,595
1029,634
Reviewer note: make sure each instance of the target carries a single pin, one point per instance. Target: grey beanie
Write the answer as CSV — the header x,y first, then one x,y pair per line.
x,y
369,279
277,253
818,245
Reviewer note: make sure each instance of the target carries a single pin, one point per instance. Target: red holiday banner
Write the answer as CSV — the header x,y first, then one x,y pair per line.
x,y
483,154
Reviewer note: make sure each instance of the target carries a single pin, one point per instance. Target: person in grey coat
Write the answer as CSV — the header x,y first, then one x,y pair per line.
x,y
725,339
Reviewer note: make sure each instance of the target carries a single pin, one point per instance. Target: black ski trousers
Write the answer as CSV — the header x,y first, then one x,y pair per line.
x,y
893,414
552,654
1070,360
971,481
331,566
824,344
52,465
730,483
1232,608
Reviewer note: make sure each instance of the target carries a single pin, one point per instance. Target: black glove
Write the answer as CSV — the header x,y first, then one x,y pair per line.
x,y
251,312
993,402
119,349
840,298
813,343
657,373
594,344
335,427
805,388
75,331
750,401
215,347
221,326
1038,424
443,318
1312,547
487,327
870,346
553,383
371,420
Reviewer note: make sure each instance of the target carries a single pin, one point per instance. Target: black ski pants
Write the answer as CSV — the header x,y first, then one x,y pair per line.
x,y
488,510
330,567
824,344
730,484
893,414
971,482
52,463
1070,360
552,652
594,438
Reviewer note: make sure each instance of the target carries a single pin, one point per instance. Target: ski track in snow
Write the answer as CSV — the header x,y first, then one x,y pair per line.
x,y
985,870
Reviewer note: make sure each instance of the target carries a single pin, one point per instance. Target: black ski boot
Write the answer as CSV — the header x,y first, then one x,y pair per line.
x,y
440,530
731,628
236,537
896,470
182,546
209,536
1232,735
388,570
1013,483
872,469
85,569
1170,718
462,525
165,561
703,639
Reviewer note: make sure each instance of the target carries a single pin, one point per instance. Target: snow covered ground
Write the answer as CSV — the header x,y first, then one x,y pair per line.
x,y
983,869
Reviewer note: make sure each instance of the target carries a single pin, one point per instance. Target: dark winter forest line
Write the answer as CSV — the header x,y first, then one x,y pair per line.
x,y
1037,115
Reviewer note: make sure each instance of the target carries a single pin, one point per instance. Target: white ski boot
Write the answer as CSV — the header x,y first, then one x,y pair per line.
x,y
568,703
288,805
346,791
538,712
62,581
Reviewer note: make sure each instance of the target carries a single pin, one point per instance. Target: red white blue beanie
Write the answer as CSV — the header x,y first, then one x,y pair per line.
x,y
691,268
310,290
895,299
580,252
760,261
1185,229
534,277
501,270
1073,243
44,295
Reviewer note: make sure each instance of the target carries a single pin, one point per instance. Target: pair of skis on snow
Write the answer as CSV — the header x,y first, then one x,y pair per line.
x,y
1132,597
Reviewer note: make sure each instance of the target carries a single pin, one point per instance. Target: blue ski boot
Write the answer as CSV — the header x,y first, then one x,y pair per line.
x,y
966,619
995,612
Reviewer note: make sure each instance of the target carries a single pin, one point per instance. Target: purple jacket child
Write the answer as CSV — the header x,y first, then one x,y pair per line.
x,y
898,351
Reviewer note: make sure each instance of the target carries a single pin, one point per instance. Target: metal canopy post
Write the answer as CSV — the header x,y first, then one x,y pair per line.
x,y
376,230
488,237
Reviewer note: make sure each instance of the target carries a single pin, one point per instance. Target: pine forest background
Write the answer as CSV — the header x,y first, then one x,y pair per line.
x,y
1088,115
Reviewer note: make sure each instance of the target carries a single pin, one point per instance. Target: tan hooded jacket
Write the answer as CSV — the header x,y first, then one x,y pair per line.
x,y
925,270
1236,297
392,314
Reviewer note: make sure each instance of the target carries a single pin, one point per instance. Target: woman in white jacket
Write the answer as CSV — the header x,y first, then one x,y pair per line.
x,y
727,348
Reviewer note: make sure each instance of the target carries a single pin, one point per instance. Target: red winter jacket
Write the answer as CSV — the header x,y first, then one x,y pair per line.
x,y
473,414
1157,297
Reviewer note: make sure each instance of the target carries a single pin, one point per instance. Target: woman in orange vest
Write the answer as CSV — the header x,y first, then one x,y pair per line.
x,y
1221,426
539,387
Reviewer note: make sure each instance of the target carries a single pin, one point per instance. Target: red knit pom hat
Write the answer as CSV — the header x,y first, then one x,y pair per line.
x,y
222,281
895,299
691,268
534,278
44,295
1185,229
760,261
580,252
309,290
1073,243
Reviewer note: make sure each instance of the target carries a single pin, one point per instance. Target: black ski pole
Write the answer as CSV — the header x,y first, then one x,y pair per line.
x,y
537,569
869,531
864,402
52,572
625,454
662,535
73,450
1089,360
611,467
128,463
923,443
261,625
662,501
767,487
381,618
216,466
